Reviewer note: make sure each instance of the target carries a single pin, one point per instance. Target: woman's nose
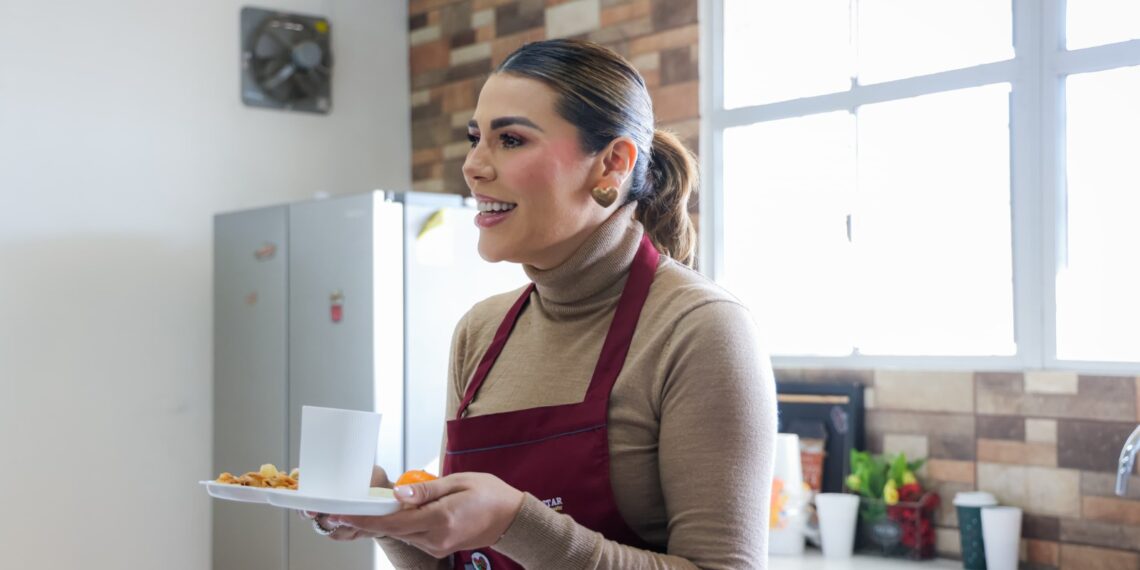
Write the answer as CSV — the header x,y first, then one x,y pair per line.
x,y
477,167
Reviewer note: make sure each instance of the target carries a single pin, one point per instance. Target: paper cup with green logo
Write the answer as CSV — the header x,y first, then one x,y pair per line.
x,y
969,506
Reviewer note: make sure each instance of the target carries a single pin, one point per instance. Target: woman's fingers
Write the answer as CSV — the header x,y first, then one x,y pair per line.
x,y
399,524
424,514
380,477
453,513
334,531
418,494
344,533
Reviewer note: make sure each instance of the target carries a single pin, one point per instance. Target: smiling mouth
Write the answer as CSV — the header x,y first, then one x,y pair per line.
x,y
488,207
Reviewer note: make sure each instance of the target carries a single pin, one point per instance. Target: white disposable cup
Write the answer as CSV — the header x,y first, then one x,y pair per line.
x,y
338,450
1001,533
786,537
788,467
837,515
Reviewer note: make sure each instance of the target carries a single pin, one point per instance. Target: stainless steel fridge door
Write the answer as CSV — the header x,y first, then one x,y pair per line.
x,y
330,342
250,412
445,277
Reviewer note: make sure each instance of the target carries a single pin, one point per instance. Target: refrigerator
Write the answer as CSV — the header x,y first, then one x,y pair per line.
x,y
346,302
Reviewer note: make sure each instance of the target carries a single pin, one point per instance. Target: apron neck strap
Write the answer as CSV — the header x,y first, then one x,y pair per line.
x,y
620,336
614,349
493,351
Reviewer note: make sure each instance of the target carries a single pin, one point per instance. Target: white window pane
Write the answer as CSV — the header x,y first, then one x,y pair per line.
x,y
1098,293
787,192
932,229
907,38
775,50
1099,22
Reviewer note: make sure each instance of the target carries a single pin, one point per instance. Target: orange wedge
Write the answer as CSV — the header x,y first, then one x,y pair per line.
x,y
415,476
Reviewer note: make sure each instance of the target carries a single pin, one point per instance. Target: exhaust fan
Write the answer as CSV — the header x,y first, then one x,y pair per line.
x,y
286,61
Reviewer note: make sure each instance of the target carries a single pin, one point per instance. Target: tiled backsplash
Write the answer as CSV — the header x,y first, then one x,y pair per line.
x,y
456,43
1047,442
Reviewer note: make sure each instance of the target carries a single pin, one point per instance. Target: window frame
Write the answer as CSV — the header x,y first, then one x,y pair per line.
x,y
1036,75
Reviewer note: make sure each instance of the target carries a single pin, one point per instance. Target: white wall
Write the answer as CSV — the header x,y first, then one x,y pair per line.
x,y
121,134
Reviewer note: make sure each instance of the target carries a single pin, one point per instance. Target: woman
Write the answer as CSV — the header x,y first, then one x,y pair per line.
x,y
621,388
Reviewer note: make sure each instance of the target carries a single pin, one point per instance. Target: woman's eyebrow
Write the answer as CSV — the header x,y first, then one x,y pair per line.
x,y
506,122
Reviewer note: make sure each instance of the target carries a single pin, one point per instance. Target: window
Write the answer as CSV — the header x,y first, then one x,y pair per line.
x,y
1098,281
931,183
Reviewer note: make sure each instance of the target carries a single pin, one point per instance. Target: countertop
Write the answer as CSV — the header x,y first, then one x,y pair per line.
x,y
813,559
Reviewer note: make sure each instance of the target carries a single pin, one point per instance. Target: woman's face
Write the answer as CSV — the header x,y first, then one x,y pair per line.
x,y
530,176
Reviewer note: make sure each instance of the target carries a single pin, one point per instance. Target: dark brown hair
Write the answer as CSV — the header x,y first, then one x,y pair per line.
x,y
602,94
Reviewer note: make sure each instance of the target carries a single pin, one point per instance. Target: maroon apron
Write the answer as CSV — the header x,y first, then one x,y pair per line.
x,y
560,454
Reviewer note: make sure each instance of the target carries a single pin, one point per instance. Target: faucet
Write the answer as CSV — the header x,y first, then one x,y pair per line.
x,y
1127,460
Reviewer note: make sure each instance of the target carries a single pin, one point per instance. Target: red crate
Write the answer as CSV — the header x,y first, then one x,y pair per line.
x,y
902,530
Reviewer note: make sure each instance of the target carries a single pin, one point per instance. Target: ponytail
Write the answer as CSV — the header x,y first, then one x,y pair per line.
x,y
664,207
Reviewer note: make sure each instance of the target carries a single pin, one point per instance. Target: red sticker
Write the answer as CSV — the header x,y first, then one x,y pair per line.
x,y
336,306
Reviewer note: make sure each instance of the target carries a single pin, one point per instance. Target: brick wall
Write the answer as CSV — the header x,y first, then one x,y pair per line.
x,y
456,43
1047,442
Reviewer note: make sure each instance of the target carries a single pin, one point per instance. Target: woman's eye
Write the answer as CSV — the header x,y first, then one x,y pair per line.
x,y
510,141
474,140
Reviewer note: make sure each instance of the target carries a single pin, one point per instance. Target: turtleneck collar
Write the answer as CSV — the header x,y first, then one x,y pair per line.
x,y
596,270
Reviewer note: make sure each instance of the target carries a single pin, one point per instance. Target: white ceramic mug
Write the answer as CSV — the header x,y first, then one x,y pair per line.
x,y
338,450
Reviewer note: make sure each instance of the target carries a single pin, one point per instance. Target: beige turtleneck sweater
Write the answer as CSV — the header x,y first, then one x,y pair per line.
x,y
692,416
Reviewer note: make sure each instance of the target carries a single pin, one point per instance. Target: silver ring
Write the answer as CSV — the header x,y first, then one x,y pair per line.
x,y
319,529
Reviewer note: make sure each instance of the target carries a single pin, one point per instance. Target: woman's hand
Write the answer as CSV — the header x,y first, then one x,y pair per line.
x,y
458,512
344,533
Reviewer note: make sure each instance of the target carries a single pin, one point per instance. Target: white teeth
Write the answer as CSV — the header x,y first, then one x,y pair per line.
x,y
496,206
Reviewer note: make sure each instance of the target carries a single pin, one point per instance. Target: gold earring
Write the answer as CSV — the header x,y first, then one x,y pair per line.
x,y
605,197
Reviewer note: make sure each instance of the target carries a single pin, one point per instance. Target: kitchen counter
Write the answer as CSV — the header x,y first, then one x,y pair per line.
x,y
813,559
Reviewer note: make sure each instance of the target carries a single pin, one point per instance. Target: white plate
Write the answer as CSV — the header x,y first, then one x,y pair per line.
x,y
371,506
240,493
380,501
